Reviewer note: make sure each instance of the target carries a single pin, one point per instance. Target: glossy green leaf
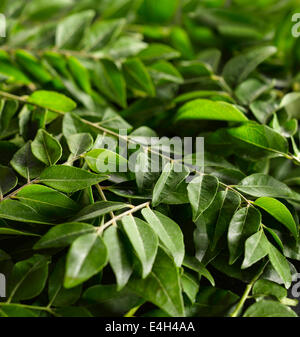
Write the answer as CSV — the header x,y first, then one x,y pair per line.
x,y
57,294
268,288
168,231
256,247
143,240
173,174
137,77
202,191
69,179
230,202
28,278
87,256
262,185
190,286
63,235
194,264
70,30
46,148
47,202
207,109
17,310
80,74
239,67
17,211
97,209
269,309
243,224
279,211
104,161
162,286
280,264
80,143
260,136
25,163
52,100
118,255
8,180
110,81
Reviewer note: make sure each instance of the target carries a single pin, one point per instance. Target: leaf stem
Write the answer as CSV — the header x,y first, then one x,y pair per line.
x,y
99,188
134,209
246,293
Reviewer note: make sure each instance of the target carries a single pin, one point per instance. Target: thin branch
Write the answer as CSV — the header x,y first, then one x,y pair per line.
x,y
246,293
99,188
118,217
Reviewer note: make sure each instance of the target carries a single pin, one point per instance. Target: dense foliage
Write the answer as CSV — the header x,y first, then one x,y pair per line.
x,y
77,240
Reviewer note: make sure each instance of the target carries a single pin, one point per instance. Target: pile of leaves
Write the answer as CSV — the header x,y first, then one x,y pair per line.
x,y
77,240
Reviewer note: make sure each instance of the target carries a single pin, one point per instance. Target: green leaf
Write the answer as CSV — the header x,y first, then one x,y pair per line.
x,y
268,288
87,256
194,264
173,174
110,81
8,180
47,202
158,51
164,72
207,109
243,224
223,96
162,286
69,179
256,247
7,111
33,66
239,67
260,136
28,278
118,256
275,237
58,295
150,12
180,40
250,90
269,309
11,231
46,148
97,209
80,74
218,301
105,161
13,73
102,32
17,310
15,210
279,211
137,77
25,163
280,264
143,240
190,286
202,191
80,143
262,185
230,202
71,29
52,100
63,235
41,10
168,232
